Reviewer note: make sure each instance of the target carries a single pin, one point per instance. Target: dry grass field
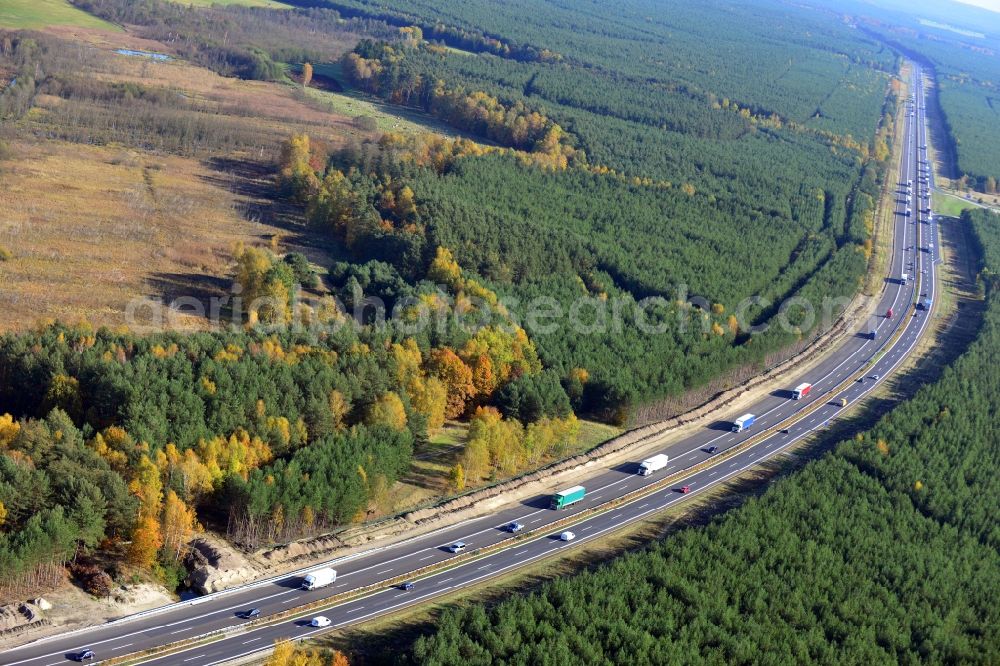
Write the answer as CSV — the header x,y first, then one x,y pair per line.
x,y
100,215
90,229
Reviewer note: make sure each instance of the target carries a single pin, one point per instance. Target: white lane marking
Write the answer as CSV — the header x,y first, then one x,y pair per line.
x,y
193,658
932,290
119,647
426,558
285,601
252,640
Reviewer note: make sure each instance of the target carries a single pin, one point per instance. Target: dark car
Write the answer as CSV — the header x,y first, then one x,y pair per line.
x,y
406,587
251,614
514,527
712,449
86,655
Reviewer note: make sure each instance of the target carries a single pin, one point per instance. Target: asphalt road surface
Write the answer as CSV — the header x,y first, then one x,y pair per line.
x,y
914,252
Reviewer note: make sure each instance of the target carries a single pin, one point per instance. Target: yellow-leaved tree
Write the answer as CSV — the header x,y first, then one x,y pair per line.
x,y
179,525
387,410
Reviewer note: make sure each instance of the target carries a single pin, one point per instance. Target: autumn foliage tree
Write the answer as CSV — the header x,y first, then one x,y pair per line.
x,y
268,285
178,526
295,171
146,542
457,378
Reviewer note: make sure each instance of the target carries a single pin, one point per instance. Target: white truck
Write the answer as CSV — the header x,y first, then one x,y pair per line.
x,y
319,578
654,464
743,423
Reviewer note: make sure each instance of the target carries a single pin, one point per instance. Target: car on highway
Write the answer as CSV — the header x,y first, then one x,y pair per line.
x,y
843,402
875,377
407,586
711,449
320,621
685,489
567,536
85,655
457,547
514,527
250,614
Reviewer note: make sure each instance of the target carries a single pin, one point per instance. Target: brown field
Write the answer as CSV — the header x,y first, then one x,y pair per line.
x,y
100,214
267,107
92,228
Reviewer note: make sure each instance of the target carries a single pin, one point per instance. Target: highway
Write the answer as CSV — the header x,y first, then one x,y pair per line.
x,y
784,421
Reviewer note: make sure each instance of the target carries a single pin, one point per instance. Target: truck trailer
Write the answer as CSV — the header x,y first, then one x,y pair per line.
x,y
564,498
801,391
319,578
743,423
654,464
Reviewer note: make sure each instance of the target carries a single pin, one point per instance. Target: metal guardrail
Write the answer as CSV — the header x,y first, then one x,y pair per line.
x,y
208,597
458,560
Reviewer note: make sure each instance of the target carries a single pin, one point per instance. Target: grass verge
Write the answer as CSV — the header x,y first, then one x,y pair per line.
x,y
32,14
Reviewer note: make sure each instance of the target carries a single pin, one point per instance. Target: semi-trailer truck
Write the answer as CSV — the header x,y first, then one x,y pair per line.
x,y
564,498
319,578
801,391
654,464
743,423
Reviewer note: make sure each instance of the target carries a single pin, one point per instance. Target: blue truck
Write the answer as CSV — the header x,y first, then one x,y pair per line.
x,y
564,498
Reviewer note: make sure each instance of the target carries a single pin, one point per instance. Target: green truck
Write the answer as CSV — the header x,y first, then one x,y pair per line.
x,y
564,498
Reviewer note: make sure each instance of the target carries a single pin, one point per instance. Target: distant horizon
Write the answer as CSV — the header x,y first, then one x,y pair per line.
x,y
991,5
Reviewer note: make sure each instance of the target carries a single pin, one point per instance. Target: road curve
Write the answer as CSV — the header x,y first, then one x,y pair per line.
x,y
914,252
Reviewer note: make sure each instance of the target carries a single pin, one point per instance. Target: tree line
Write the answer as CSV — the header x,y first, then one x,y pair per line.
x,y
392,201
871,553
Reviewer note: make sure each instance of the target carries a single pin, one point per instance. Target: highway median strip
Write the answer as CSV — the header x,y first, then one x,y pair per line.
x,y
516,540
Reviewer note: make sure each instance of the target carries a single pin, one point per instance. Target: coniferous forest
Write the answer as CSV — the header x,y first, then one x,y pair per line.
x,y
883,551
662,176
